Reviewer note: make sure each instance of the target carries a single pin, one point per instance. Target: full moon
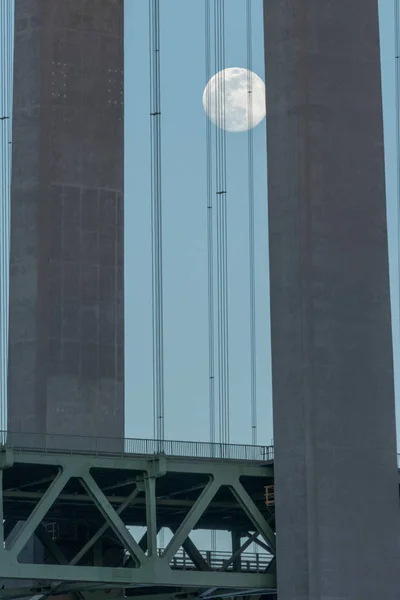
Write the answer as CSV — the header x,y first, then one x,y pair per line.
x,y
232,86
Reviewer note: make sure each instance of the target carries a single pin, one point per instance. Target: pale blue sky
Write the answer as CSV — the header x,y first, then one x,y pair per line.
x,y
184,213
185,241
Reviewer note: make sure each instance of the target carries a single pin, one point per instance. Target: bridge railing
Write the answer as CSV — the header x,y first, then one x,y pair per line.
x,y
220,560
74,444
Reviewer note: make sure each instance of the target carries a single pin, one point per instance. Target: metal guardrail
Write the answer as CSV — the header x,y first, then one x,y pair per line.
x,y
218,560
74,444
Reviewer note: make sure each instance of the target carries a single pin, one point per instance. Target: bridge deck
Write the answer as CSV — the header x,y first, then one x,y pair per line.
x,y
67,495
74,444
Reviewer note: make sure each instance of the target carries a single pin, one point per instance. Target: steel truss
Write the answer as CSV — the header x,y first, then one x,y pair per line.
x,y
153,571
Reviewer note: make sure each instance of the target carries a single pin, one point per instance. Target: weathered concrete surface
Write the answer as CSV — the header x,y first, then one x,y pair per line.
x,y
66,363
337,503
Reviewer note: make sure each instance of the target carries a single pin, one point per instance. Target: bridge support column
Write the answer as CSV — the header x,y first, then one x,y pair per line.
x,y
337,506
66,335
235,548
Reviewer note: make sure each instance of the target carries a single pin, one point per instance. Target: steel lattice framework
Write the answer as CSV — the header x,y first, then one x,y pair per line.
x,y
95,498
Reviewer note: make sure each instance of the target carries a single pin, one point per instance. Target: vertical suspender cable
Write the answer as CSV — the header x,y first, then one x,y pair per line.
x,y
217,100
253,364
210,245
226,416
2,224
10,29
4,199
219,191
225,234
210,241
156,220
7,110
6,63
3,111
221,225
4,181
252,275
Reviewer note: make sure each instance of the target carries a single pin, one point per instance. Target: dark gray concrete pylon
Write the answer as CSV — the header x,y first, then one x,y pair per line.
x,y
66,357
337,506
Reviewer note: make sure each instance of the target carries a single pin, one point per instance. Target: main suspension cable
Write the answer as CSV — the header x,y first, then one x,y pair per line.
x,y
156,220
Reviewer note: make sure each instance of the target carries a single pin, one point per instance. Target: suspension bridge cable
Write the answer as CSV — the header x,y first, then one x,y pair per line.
x,y
156,220
2,282
8,212
6,126
221,192
210,240
10,72
252,282
221,225
5,112
250,168
4,116
217,100
6,199
225,233
2,224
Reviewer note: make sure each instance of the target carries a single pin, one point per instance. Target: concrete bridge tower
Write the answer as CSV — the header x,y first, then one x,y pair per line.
x,y
334,416
66,347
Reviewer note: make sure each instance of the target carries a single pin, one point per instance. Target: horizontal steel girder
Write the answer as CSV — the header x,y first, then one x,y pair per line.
x,y
152,567
9,457
154,572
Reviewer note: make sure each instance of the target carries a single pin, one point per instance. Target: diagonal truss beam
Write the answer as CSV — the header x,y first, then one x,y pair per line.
x,y
129,500
193,553
272,566
115,522
261,544
128,562
9,525
254,515
81,590
207,593
239,551
191,519
195,556
14,593
39,512
48,542
35,483
61,559
221,593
